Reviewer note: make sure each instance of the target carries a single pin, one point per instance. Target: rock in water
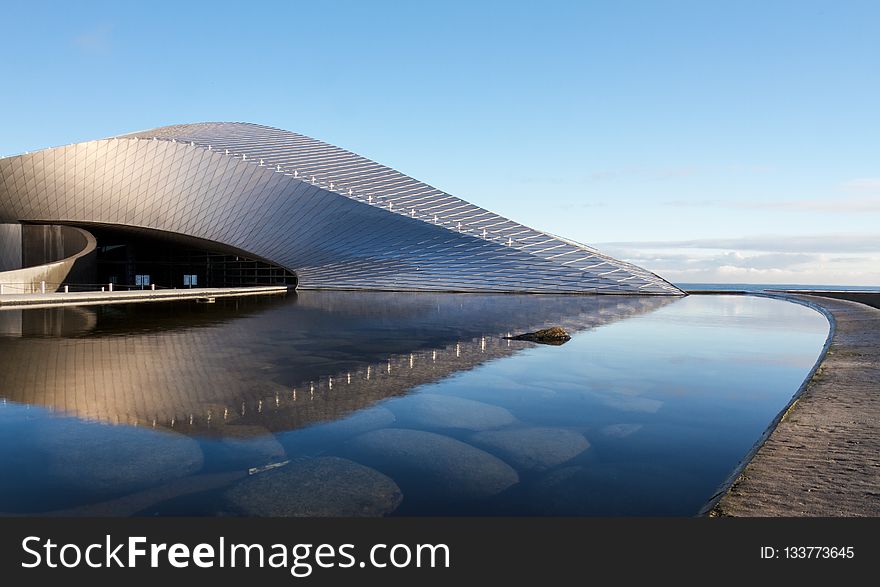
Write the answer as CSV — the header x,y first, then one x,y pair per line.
x,y
101,459
533,449
555,336
431,467
319,487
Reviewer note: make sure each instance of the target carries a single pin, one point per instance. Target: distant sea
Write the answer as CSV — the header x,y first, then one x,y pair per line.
x,y
775,286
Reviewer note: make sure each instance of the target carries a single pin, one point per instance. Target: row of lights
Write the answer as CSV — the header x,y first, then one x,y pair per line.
x,y
372,372
369,199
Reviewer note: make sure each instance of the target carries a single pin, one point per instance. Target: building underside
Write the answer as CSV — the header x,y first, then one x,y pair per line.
x,y
228,204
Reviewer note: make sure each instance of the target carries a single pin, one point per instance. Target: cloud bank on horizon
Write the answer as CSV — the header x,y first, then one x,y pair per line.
x,y
842,259
837,257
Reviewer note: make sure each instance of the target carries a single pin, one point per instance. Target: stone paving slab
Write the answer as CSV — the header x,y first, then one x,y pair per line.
x,y
823,458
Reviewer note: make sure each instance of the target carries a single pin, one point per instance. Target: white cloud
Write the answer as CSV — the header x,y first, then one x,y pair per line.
x,y
818,275
826,243
836,206
711,261
840,205
863,184
812,259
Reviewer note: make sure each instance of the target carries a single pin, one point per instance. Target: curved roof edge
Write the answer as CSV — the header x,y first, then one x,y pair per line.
x,y
335,218
353,176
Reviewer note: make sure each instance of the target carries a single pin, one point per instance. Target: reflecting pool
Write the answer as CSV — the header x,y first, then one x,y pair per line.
x,y
347,403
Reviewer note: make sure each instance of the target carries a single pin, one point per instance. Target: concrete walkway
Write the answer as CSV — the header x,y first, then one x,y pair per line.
x,y
823,458
86,298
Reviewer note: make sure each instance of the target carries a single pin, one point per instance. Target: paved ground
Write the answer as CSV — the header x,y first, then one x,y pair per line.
x,y
85,298
872,298
823,459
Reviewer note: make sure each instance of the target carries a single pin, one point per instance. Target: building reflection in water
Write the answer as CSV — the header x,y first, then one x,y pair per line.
x,y
251,365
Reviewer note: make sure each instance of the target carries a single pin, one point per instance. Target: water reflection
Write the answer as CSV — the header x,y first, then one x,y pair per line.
x,y
245,366
391,404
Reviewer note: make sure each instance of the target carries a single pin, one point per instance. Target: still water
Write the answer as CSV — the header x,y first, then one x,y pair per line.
x,y
344,403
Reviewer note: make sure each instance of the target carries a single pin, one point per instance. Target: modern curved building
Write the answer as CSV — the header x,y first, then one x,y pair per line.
x,y
232,203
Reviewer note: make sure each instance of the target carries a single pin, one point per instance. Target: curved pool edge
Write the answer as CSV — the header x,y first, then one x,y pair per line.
x,y
816,458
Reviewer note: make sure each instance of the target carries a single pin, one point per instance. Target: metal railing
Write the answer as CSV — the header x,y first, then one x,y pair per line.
x,y
46,287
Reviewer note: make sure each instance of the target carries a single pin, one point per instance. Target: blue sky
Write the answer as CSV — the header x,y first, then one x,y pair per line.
x,y
708,141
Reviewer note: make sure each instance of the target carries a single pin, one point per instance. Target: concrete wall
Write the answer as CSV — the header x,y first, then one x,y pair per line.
x,y
47,243
29,279
863,297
